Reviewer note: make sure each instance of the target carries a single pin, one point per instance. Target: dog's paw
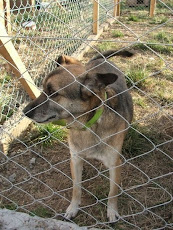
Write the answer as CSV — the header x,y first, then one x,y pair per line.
x,y
71,211
112,215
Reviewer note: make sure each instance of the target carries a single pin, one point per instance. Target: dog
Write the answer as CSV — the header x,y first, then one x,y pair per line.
x,y
96,104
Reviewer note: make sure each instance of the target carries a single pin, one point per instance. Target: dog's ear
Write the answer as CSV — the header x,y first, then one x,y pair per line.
x,y
94,83
107,78
66,60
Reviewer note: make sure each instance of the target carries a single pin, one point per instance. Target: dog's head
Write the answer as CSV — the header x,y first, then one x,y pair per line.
x,y
69,91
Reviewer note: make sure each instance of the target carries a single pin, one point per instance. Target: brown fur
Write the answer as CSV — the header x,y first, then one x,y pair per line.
x,y
74,92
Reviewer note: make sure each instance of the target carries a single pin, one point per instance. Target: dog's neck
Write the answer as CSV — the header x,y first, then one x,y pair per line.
x,y
86,122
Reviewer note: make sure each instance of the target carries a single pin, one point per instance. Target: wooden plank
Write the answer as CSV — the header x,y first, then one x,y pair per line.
x,y
7,15
118,7
8,51
2,19
115,8
95,16
32,2
152,7
8,135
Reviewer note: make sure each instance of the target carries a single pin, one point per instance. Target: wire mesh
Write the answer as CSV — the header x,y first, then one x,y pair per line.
x,y
35,175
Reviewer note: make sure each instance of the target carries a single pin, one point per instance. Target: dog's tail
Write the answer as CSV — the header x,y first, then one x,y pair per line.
x,y
111,53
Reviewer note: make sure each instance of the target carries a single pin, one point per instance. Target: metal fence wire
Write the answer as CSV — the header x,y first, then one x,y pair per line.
x,y
35,174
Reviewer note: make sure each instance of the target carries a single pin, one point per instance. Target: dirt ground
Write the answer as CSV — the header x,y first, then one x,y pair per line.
x,y
40,175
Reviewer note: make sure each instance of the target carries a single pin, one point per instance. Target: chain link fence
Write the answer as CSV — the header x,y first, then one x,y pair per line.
x,y
35,175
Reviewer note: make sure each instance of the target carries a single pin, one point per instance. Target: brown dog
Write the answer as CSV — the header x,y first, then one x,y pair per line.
x,y
97,106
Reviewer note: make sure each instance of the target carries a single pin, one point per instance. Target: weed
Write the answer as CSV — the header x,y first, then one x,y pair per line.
x,y
162,90
140,101
135,143
117,34
156,47
158,20
9,206
163,49
155,66
5,79
103,46
41,212
133,18
140,46
48,133
137,75
163,37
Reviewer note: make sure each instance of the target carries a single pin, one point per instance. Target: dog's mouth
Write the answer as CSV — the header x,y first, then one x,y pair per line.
x,y
47,120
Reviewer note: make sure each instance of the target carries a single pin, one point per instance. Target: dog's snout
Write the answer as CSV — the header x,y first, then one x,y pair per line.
x,y
28,111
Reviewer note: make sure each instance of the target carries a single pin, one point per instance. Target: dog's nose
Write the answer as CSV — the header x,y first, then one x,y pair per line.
x,y
28,111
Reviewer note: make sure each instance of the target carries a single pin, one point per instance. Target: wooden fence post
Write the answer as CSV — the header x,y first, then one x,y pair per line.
x,y
95,16
115,8
118,8
152,7
116,11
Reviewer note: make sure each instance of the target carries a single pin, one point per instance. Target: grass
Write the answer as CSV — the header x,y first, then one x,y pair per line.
x,y
140,102
5,79
162,92
133,18
103,46
137,75
117,34
9,206
158,20
163,49
135,143
47,134
163,37
5,109
41,212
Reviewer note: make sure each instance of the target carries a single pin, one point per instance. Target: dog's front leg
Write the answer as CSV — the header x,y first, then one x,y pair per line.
x,y
115,174
76,172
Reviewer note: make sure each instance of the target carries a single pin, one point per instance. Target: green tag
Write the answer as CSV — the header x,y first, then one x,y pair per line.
x,y
61,122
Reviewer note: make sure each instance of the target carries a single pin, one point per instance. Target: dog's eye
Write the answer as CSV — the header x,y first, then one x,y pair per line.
x,y
51,92
49,89
54,94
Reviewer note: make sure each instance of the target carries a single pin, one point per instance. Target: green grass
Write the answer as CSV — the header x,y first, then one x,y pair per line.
x,y
163,37
47,134
133,18
9,206
5,108
136,141
103,46
140,102
135,144
5,79
117,34
162,90
137,74
41,212
158,20
163,49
